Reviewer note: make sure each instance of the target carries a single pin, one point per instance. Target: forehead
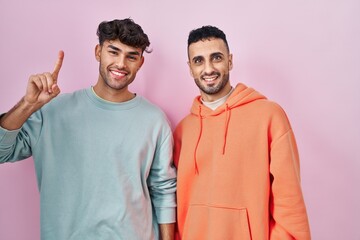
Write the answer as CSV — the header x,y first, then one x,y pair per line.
x,y
206,47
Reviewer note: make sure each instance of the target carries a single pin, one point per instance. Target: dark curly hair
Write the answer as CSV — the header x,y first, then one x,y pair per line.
x,y
206,32
125,30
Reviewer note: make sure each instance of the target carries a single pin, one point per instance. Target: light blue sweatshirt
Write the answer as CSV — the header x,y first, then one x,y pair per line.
x,y
104,170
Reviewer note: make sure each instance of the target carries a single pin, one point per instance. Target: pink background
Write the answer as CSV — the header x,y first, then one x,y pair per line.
x,y
305,55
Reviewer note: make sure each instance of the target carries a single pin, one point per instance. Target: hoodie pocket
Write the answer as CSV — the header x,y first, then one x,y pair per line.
x,y
216,223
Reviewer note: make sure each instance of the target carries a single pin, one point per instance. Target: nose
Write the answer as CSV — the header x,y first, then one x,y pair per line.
x,y
208,67
120,62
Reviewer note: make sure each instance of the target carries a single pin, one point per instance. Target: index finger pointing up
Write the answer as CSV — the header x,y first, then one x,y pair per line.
x,y
58,65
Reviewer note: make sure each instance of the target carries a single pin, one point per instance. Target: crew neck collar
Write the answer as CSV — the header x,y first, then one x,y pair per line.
x,y
105,104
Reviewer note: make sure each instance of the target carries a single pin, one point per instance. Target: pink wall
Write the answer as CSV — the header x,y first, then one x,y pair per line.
x,y
303,54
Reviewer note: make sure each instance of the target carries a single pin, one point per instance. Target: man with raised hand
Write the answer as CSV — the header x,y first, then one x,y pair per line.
x,y
102,171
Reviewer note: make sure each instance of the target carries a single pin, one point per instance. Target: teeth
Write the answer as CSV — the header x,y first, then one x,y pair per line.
x,y
209,79
117,73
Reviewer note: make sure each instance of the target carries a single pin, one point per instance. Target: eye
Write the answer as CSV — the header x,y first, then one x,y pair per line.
x,y
217,58
197,60
113,53
132,57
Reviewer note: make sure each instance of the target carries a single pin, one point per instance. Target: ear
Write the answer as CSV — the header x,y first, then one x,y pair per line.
x,y
97,52
191,72
142,62
230,61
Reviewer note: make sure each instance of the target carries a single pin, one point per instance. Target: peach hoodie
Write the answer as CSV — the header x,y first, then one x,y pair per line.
x,y
238,172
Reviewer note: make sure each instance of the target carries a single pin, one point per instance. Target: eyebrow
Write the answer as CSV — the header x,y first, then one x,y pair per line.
x,y
119,50
216,54
211,56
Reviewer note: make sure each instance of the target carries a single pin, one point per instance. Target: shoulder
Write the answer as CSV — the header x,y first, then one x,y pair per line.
x,y
67,97
150,108
267,108
65,102
152,112
188,122
274,115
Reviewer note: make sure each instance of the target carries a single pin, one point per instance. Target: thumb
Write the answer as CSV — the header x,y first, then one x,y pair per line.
x,y
55,90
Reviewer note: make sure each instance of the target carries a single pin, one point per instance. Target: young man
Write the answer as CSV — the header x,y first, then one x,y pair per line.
x,y
103,172
238,165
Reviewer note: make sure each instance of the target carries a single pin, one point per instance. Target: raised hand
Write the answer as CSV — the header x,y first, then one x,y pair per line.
x,y
43,87
40,90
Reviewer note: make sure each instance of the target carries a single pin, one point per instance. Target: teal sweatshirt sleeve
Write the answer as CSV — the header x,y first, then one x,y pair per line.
x,y
162,181
17,144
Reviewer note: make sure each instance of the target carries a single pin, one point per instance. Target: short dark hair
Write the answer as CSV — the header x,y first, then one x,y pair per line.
x,y
206,33
125,30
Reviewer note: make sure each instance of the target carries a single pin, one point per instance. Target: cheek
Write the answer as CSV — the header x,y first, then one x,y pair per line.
x,y
195,72
224,68
134,68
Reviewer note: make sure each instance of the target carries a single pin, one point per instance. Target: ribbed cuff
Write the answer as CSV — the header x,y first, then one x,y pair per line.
x,y
166,215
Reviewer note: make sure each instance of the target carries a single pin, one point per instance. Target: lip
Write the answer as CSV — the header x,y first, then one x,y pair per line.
x,y
210,78
118,74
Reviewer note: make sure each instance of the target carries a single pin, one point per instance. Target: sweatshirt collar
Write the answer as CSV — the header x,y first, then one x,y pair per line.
x,y
104,104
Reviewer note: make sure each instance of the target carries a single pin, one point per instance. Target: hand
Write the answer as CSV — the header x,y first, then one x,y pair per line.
x,y
43,87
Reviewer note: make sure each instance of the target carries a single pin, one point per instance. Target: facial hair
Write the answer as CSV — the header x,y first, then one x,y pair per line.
x,y
116,85
210,90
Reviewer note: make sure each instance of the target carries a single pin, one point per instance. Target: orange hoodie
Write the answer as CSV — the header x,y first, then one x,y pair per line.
x,y
238,172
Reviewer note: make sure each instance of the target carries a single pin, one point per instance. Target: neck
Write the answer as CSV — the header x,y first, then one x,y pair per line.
x,y
113,95
213,97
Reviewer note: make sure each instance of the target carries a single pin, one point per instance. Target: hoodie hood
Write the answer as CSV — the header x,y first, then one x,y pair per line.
x,y
240,96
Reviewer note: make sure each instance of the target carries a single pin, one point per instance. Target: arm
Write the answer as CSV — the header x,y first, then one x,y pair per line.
x,y
18,115
288,218
162,185
167,231
40,90
15,134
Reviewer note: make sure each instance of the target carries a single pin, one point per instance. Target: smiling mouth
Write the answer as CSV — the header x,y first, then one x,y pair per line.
x,y
118,74
210,78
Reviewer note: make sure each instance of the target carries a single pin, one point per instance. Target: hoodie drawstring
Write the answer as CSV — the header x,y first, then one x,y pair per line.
x,y
226,127
198,141
227,120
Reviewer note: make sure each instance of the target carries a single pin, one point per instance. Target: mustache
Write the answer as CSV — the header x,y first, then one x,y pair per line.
x,y
120,69
210,74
